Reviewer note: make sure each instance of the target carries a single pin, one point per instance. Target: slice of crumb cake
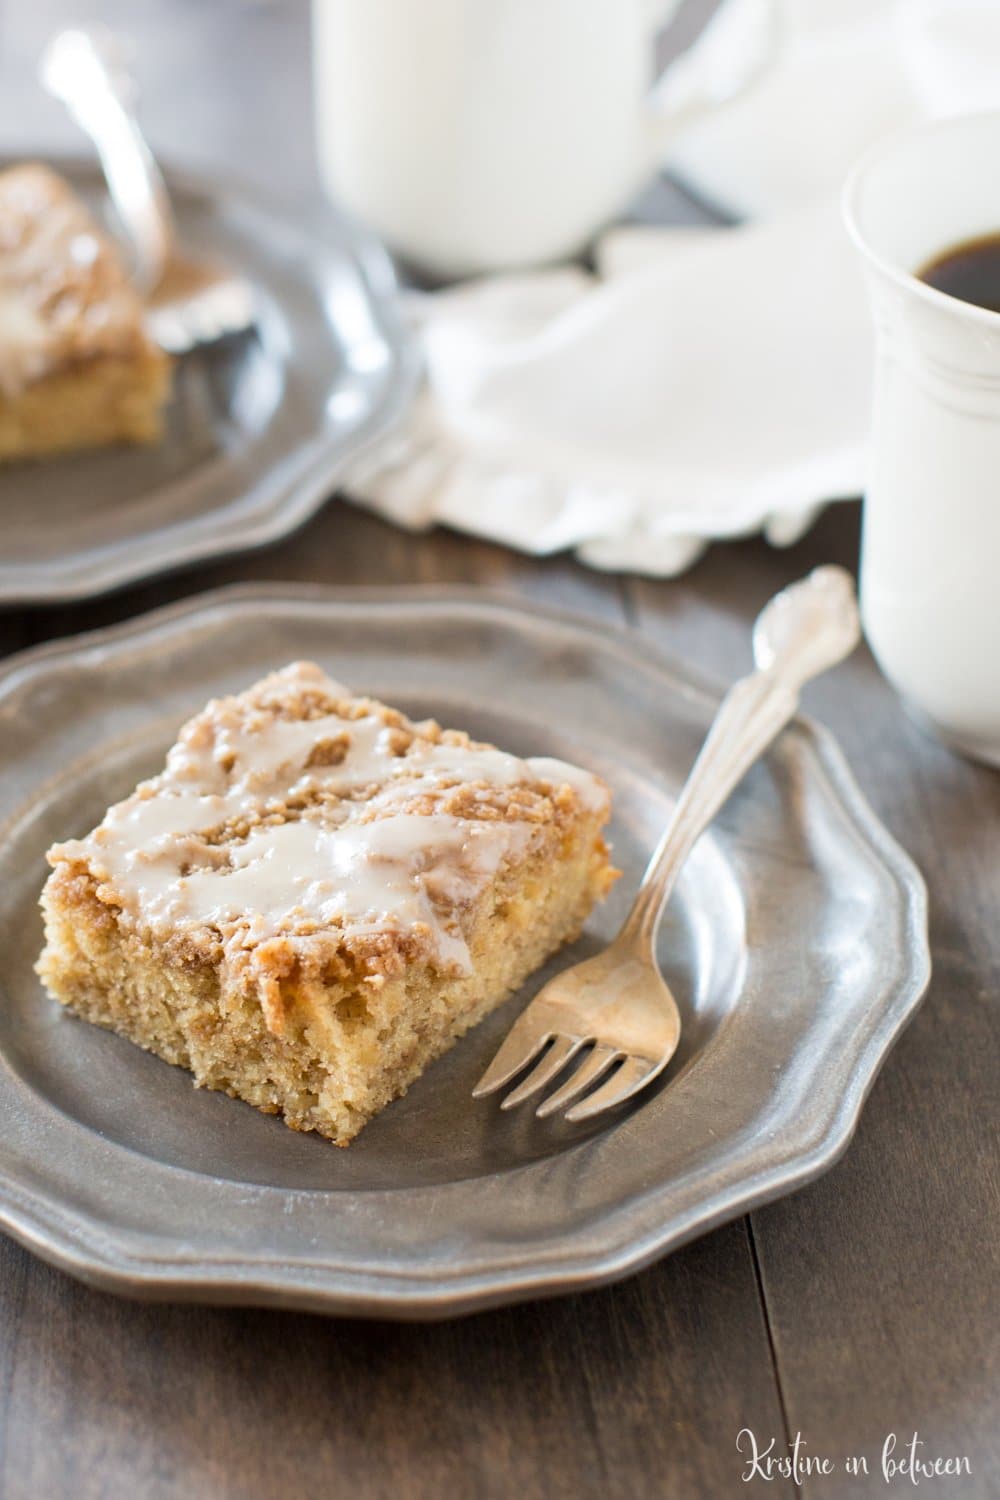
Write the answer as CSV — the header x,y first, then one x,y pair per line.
x,y
317,896
77,367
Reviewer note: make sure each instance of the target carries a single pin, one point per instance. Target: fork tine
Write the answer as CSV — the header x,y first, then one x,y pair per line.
x,y
587,1073
632,1076
519,1048
562,1049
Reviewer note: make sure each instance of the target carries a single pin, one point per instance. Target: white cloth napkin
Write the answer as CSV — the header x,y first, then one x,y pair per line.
x,y
707,384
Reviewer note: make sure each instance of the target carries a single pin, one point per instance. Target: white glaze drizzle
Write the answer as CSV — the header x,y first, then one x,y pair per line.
x,y
363,863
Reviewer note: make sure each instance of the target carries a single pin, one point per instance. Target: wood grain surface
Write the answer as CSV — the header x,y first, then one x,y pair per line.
x,y
864,1305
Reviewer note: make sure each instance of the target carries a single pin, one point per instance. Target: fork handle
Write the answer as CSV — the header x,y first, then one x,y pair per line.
x,y
805,629
750,716
83,68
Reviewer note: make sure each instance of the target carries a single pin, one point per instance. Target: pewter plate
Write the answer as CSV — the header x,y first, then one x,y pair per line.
x,y
796,945
260,426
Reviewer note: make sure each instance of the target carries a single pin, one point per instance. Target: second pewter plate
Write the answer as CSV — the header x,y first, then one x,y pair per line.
x,y
795,943
260,426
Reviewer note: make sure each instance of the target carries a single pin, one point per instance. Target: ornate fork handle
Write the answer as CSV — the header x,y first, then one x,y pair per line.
x,y
805,630
84,69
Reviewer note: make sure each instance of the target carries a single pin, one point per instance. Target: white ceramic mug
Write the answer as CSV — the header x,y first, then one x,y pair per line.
x,y
930,562
479,135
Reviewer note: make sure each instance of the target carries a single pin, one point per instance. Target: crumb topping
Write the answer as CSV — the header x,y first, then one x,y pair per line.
x,y
297,809
64,293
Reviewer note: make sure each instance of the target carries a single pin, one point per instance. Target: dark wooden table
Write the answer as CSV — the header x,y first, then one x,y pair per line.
x,y
864,1305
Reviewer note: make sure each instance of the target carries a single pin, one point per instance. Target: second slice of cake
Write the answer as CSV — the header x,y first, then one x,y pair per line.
x,y
77,367
317,896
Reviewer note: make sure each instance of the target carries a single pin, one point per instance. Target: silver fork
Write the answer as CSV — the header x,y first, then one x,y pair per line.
x,y
188,302
617,1004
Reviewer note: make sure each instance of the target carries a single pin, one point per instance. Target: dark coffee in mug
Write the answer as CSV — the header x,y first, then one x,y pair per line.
x,y
969,271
